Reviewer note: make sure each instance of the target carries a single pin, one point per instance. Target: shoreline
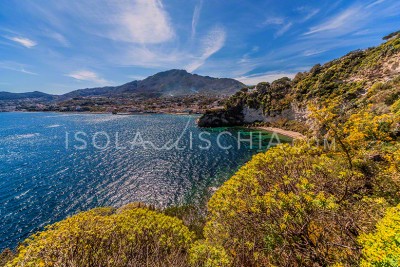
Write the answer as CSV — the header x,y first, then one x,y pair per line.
x,y
105,112
287,133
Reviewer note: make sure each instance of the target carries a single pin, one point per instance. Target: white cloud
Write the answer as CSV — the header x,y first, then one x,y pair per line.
x,y
375,3
196,16
307,12
210,44
143,21
141,33
273,21
86,75
14,66
311,14
281,23
23,41
59,38
341,22
313,52
132,21
263,77
190,57
283,29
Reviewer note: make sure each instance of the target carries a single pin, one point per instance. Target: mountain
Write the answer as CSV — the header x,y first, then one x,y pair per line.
x,y
22,96
168,83
362,77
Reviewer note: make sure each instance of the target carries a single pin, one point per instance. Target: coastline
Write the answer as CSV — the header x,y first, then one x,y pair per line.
x,y
291,134
104,112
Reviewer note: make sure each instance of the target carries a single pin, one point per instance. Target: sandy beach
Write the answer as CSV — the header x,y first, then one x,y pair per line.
x,y
291,134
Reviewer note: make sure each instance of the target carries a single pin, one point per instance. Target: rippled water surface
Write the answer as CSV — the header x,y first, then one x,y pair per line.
x,y
46,176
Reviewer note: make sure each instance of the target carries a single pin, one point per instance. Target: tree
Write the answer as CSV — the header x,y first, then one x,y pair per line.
x,y
391,35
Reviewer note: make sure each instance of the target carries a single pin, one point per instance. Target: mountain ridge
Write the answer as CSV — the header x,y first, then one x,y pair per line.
x,y
172,82
27,95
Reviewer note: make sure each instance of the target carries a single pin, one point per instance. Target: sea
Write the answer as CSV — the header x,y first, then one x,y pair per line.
x,y
53,165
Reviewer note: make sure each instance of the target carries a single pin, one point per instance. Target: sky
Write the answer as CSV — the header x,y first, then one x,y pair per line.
x,y
59,46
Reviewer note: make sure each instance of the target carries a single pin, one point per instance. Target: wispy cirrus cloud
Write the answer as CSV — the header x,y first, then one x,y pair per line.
x,y
196,16
28,43
87,75
313,52
132,21
273,21
58,38
341,22
141,30
15,66
282,25
283,29
377,2
142,21
307,12
210,44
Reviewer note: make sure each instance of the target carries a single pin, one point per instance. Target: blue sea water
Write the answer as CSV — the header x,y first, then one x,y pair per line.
x,y
47,173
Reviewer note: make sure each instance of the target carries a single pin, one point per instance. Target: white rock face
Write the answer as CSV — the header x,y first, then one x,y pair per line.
x,y
251,115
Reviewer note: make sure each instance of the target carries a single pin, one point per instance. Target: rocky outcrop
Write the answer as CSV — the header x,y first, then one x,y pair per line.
x,y
220,118
248,115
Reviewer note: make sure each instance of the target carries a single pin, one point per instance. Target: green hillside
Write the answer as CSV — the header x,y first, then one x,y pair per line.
x,y
361,78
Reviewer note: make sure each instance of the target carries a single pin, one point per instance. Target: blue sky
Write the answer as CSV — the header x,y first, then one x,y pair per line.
x,y
59,46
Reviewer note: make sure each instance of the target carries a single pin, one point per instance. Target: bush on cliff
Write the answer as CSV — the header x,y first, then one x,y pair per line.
x,y
130,236
287,207
382,247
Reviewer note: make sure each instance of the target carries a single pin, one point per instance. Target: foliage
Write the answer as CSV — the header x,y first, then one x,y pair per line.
x,y
288,206
303,206
130,236
360,78
382,247
193,216
6,256
207,255
396,107
271,98
391,35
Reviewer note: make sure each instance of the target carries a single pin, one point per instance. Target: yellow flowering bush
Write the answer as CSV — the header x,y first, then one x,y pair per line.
x,y
395,108
382,247
130,236
207,255
287,206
